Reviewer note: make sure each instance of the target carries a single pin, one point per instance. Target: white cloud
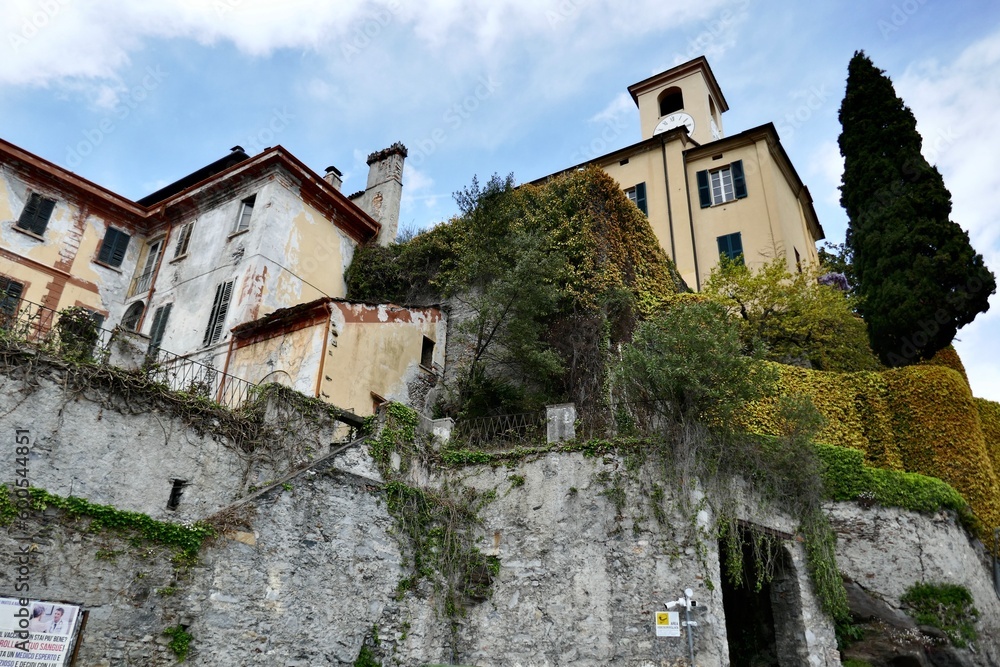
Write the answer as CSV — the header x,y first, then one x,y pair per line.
x,y
955,106
62,39
620,106
827,165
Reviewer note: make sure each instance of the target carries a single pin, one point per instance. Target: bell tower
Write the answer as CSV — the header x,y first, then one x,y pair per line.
x,y
687,95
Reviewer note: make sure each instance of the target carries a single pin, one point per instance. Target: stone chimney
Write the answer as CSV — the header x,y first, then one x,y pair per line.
x,y
382,195
334,177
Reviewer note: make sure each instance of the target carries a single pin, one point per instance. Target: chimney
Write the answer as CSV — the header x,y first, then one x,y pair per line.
x,y
384,190
334,177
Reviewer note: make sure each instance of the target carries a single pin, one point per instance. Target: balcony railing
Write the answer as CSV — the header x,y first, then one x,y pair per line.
x,y
39,326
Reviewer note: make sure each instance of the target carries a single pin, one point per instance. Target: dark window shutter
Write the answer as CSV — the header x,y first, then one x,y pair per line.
x,y
35,215
739,182
10,296
704,189
640,198
731,245
159,327
213,332
113,248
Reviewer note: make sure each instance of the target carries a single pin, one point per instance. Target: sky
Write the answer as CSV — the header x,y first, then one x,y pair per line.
x,y
134,94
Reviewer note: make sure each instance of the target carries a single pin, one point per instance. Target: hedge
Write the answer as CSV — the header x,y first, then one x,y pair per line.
x,y
918,419
846,477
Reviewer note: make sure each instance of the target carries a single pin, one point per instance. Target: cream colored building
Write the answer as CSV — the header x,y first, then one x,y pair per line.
x,y
351,354
226,245
707,193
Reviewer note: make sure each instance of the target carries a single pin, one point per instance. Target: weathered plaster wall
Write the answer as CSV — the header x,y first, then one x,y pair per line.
x,y
58,269
292,359
376,349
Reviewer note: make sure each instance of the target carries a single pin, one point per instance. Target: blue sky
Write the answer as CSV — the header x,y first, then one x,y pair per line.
x,y
133,95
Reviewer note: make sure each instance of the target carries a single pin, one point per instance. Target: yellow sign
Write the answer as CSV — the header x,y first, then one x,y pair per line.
x,y
668,624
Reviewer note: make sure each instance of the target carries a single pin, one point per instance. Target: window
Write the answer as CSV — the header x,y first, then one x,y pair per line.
x,y
671,100
97,317
246,210
183,238
213,332
132,316
113,247
798,260
721,185
10,299
638,197
36,213
145,279
427,353
731,245
176,489
159,327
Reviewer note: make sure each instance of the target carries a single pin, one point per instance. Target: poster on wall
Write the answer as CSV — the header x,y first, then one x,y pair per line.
x,y
33,632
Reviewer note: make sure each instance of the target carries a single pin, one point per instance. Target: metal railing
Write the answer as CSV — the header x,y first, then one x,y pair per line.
x,y
39,326
502,432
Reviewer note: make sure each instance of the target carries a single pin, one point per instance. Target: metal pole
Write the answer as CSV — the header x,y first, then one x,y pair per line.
x,y
687,620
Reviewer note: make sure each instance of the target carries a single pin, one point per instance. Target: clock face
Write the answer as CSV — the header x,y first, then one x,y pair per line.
x,y
675,119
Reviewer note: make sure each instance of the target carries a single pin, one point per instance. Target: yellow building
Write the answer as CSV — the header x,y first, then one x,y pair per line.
x,y
705,193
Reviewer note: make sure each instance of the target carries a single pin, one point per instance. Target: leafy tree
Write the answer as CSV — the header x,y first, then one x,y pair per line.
x,y
792,319
918,276
545,280
687,364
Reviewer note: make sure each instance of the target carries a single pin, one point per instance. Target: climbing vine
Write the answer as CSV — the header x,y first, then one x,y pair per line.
x,y
437,523
186,541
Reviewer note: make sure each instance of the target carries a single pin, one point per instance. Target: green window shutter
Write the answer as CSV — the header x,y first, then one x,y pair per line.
x,y
731,245
640,198
739,181
10,296
704,189
113,248
159,327
36,213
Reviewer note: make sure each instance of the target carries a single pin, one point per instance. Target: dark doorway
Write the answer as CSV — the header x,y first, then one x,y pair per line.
x,y
749,615
764,625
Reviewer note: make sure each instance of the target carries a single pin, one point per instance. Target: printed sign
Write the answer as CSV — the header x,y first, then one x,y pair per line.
x,y
668,624
33,632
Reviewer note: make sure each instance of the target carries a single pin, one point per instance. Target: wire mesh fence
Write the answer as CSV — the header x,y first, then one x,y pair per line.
x,y
501,432
69,336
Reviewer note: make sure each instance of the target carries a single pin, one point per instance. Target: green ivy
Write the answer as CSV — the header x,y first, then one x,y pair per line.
x,y
398,435
846,477
180,641
186,540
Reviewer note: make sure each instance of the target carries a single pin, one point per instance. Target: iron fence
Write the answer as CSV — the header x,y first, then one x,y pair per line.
x,y
45,329
501,432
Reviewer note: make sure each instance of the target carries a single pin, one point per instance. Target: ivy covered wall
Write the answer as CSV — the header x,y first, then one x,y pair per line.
x,y
920,419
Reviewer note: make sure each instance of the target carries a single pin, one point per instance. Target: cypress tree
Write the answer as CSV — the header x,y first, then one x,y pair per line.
x,y
918,278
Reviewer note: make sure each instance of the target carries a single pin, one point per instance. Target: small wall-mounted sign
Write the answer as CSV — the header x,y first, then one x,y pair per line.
x,y
668,624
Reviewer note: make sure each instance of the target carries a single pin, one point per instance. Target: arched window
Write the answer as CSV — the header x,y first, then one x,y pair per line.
x,y
671,100
132,316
